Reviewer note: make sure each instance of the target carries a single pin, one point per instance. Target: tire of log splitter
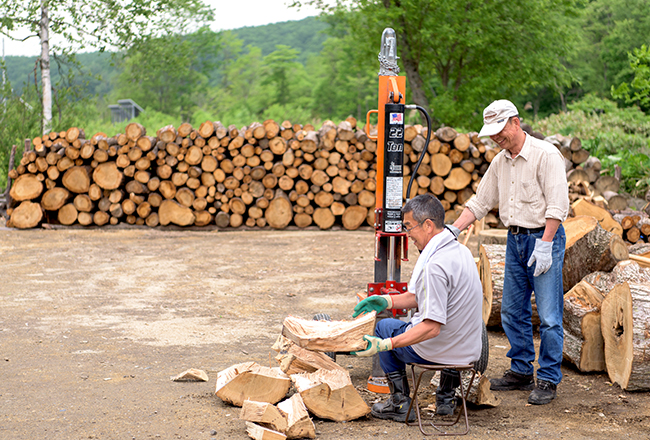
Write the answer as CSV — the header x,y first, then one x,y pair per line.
x,y
325,317
481,364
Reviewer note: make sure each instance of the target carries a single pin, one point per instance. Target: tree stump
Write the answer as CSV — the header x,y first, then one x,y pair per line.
x,y
624,320
583,339
329,394
250,381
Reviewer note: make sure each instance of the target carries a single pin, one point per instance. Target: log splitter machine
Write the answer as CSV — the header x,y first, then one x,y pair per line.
x,y
391,242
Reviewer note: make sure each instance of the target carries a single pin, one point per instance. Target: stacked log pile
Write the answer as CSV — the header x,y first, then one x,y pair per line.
x,y
265,174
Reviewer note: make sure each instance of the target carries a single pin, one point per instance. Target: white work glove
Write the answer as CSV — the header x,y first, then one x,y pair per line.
x,y
543,255
454,230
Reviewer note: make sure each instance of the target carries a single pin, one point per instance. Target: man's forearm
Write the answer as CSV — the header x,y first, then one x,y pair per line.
x,y
405,300
552,225
427,329
466,218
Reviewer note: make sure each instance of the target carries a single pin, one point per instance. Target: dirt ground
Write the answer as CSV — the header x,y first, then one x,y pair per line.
x,y
94,322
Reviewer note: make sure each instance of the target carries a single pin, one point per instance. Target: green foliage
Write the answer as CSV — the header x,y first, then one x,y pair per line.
x,y
613,135
467,54
165,74
640,65
306,36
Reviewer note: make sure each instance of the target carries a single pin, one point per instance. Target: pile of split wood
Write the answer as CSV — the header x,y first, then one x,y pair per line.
x,y
606,301
321,386
264,174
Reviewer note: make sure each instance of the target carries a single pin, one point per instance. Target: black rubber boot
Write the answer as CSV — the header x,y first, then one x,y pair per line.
x,y
446,392
397,405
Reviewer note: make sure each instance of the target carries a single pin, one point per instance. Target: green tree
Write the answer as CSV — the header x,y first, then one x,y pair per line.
x,y
167,74
280,64
459,55
638,91
612,29
97,23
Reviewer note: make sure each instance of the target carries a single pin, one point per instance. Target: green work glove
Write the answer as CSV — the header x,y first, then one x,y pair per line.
x,y
377,303
375,345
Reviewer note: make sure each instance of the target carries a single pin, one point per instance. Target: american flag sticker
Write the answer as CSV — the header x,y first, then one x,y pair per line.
x,y
397,118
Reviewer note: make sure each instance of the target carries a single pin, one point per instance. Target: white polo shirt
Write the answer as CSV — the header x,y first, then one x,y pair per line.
x,y
449,291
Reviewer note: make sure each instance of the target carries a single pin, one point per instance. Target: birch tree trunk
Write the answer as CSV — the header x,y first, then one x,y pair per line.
x,y
46,83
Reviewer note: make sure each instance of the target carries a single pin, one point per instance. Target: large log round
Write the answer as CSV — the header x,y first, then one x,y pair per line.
x,y
76,179
54,198
26,215
107,175
26,187
171,212
354,216
279,213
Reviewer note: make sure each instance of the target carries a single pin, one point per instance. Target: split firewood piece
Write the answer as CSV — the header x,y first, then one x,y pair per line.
x,y
258,432
299,424
479,394
191,375
583,207
330,336
250,380
625,315
583,339
589,248
329,394
265,414
294,359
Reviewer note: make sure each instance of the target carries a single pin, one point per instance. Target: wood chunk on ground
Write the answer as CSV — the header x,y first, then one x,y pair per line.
x,y
299,424
263,413
329,336
252,381
329,394
479,394
258,432
191,375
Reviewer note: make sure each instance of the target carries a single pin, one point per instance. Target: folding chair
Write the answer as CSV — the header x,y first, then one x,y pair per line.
x,y
463,393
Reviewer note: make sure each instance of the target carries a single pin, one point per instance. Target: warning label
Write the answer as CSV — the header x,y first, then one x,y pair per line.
x,y
394,192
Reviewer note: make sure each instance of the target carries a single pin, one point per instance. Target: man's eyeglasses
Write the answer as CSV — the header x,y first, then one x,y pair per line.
x,y
408,230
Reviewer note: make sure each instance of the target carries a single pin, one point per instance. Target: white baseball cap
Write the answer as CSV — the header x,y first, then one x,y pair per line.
x,y
495,117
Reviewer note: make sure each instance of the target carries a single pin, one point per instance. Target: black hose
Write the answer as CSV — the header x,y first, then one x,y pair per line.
x,y
426,146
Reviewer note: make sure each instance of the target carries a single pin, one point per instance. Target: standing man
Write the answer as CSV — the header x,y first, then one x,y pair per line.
x,y
527,181
447,326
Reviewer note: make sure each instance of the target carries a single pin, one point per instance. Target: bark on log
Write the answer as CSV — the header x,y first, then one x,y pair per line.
x,y
250,381
329,394
589,248
329,336
583,339
492,259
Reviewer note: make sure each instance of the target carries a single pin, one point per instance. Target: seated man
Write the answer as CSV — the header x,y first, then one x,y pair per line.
x,y
447,326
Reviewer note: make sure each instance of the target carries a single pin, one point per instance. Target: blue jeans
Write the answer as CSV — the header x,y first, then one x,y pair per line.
x,y
397,358
516,309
